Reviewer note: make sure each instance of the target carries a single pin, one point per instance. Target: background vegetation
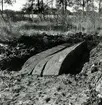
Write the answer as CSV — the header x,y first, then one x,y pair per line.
x,y
51,17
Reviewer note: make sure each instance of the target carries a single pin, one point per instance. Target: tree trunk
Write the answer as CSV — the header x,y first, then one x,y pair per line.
x,y
87,16
64,14
94,17
99,13
80,19
38,6
2,6
32,8
42,6
83,7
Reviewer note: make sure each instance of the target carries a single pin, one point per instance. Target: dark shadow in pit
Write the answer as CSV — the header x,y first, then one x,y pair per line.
x,y
13,64
74,62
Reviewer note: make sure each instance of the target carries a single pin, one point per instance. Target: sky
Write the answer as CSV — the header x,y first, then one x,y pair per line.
x,y
17,6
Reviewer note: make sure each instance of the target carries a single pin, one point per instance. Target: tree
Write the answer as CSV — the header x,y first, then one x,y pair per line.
x,y
31,6
99,12
9,2
36,6
91,14
84,6
2,5
62,6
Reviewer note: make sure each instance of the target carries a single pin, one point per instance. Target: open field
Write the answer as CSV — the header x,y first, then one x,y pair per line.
x,y
50,26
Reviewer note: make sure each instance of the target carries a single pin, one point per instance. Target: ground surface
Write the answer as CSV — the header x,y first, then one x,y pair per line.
x,y
81,89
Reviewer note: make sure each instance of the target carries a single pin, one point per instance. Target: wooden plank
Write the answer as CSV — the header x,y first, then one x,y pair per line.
x,y
30,64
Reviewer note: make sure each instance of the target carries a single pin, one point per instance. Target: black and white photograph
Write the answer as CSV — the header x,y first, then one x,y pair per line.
x,y
50,52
